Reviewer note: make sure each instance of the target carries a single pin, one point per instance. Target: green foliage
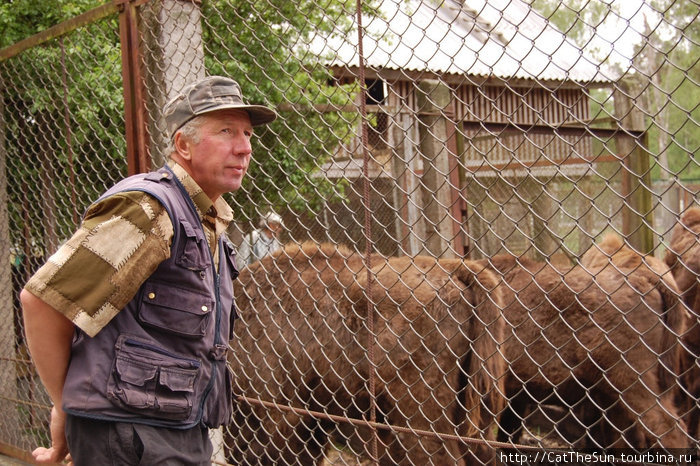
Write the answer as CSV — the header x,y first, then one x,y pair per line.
x,y
20,19
67,104
577,19
670,58
64,112
266,47
662,77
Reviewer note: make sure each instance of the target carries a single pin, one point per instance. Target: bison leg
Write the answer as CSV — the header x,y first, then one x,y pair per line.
x,y
298,440
653,418
510,424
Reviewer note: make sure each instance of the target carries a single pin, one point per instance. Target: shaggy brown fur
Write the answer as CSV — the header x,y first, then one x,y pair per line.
x,y
683,257
302,340
614,263
589,331
644,273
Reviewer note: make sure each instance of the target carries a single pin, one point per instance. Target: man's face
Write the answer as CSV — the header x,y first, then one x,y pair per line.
x,y
219,160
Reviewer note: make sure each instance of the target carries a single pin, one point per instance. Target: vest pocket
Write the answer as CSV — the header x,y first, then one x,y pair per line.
x,y
220,400
193,252
151,381
175,310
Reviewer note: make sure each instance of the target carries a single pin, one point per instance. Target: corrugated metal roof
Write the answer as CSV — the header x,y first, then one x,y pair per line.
x,y
501,38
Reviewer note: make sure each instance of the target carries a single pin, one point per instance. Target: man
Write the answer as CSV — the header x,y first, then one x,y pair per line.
x,y
261,241
128,322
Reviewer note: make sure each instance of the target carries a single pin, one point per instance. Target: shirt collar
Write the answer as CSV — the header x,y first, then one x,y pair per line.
x,y
219,209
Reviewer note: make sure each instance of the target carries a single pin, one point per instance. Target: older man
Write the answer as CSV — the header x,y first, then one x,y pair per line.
x,y
128,322
261,241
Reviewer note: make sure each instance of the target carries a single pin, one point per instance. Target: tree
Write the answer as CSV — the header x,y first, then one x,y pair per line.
x,y
268,45
662,66
70,101
667,72
64,111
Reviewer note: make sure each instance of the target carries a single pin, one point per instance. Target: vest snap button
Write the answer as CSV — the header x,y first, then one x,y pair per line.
x,y
151,295
205,308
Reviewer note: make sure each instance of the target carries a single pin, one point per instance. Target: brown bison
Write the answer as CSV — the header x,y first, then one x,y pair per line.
x,y
589,339
302,340
663,309
683,257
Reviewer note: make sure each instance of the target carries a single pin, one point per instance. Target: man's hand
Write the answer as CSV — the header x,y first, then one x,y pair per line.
x,y
58,451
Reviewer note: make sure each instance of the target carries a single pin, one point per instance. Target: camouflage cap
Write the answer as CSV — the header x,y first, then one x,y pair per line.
x,y
207,95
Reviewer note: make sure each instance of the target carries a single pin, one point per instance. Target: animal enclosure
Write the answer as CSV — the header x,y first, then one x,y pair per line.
x,y
490,233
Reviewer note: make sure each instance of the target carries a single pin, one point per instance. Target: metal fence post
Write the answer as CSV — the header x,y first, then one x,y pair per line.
x,y
134,110
9,411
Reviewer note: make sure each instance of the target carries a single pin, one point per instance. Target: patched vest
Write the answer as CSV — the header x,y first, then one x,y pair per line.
x,y
162,359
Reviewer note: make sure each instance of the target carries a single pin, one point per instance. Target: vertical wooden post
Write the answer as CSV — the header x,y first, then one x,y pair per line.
x,y
540,206
433,99
632,142
410,228
461,191
454,138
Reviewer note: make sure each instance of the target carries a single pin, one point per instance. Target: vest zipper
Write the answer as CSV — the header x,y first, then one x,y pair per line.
x,y
217,284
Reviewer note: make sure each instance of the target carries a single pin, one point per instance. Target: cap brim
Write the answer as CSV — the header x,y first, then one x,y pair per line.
x,y
259,114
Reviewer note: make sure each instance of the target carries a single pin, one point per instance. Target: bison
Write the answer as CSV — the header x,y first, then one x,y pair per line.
x,y
302,340
683,257
663,309
590,338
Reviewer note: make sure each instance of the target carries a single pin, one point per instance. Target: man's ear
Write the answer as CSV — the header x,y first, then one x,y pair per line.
x,y
182,146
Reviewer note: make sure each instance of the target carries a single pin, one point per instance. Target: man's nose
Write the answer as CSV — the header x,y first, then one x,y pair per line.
x,y
242,146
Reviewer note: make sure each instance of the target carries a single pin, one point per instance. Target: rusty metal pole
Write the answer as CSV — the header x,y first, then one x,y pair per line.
x,y
137,155
8,368
366,200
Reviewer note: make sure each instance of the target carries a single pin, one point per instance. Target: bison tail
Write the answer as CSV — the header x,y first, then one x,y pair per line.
x,y
485,366
676,319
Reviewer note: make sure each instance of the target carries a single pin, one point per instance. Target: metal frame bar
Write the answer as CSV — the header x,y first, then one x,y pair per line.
x,y
137,153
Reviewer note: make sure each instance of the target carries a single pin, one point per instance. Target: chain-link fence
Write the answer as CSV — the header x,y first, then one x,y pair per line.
x,y
464,187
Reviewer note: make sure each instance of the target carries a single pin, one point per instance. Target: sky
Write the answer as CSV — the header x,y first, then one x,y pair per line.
x,y
619,34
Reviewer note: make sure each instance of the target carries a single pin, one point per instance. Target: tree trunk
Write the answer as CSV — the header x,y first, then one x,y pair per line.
x,y
173,54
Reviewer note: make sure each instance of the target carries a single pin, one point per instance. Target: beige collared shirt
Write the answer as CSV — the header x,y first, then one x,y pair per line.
x,y
119,244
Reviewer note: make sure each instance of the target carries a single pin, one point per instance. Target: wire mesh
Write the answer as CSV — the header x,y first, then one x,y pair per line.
x,y
505,262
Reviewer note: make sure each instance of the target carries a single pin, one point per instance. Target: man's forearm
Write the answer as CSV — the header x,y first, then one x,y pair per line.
x,y
49,336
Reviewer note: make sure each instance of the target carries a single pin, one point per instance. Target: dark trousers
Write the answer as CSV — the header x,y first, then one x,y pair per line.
x,y
103,443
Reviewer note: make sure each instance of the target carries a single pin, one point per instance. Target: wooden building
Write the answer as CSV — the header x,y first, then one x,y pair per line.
x,y
471,104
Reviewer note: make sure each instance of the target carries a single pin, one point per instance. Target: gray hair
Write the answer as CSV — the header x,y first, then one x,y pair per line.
x,y
271,217
190,130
